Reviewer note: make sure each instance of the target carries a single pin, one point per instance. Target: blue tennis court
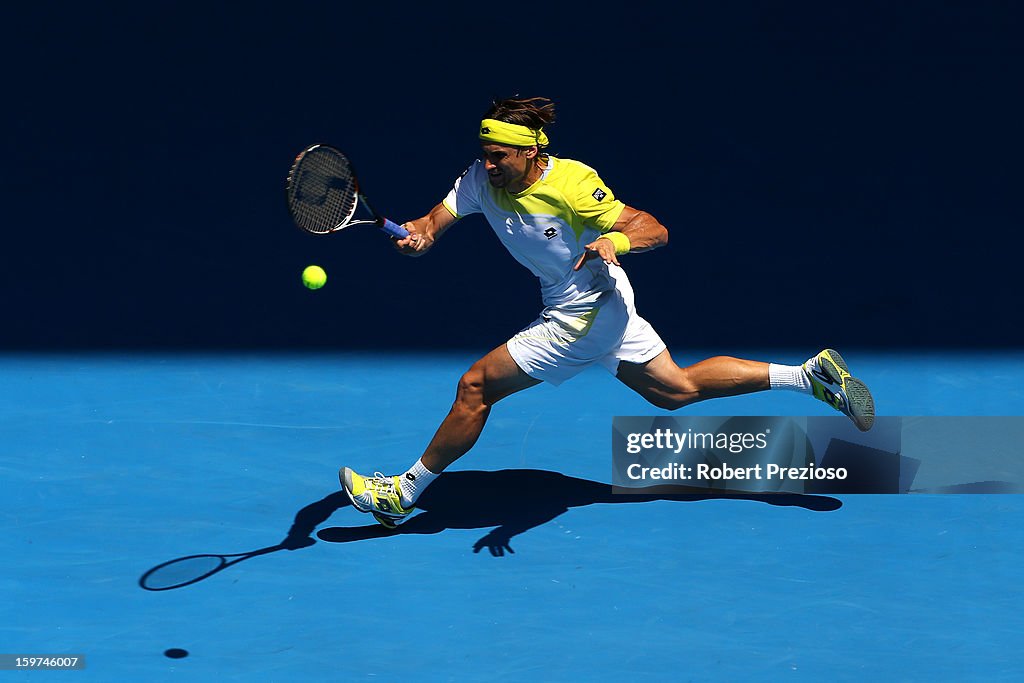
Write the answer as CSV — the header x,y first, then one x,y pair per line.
x,y
521,566
175,405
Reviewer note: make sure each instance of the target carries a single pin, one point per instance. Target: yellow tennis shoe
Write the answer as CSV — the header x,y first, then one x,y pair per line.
x,y
378,494
832,383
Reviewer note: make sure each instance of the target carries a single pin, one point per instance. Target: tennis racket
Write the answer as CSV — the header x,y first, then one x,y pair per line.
x,y
323,194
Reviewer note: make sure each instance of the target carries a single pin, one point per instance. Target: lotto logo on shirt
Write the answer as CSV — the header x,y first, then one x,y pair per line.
x,y
599,194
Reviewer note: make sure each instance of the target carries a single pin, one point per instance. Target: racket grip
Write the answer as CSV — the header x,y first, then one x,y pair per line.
x,y
393,229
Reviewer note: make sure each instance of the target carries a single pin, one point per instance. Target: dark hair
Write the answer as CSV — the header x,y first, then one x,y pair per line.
x,y
532,112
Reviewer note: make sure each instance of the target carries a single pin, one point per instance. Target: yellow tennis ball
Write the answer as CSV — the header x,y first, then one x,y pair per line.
x,y
314,277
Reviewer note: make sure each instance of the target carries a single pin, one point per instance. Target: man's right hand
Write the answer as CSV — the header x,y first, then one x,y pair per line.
x,y
416,244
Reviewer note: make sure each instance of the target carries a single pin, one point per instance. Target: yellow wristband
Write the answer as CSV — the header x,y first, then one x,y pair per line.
x,y
620,241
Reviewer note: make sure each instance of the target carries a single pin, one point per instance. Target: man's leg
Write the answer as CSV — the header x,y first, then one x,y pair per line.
x,y
669,386
489,380
825,376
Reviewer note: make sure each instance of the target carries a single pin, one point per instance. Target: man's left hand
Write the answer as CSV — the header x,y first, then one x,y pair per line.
x,y
599,248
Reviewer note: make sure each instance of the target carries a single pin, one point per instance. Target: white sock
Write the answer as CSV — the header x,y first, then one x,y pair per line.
x,y
791,377
413,483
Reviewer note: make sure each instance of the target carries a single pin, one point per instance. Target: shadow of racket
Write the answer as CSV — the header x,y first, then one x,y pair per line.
x,y
185,571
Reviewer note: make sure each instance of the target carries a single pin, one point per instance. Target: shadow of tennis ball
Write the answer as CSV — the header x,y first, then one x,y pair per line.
x,y
176,653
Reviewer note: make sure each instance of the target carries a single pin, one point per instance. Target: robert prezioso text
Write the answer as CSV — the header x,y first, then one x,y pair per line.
x,y
705,472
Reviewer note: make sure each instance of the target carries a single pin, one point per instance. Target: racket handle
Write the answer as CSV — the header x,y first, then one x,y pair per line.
x,y
393,229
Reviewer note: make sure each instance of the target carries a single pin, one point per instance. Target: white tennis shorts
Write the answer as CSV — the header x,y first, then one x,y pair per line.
x,y
561,343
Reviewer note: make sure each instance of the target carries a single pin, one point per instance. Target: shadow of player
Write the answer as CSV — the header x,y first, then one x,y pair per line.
x,y
514,501
510,501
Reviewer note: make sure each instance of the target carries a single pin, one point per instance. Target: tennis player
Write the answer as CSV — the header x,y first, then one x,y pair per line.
x,y
560,220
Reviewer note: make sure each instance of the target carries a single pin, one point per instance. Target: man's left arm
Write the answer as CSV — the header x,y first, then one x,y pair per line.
x,y
633,231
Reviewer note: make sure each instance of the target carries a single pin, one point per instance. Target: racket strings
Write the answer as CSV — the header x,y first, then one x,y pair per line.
x,y
322,192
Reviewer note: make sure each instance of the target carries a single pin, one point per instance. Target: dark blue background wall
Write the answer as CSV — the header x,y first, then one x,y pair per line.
x,y
845,174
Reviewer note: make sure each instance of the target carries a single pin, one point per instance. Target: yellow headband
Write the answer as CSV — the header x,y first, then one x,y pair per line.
x,y
493,130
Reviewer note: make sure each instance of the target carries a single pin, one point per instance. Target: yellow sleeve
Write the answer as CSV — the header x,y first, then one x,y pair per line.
x,y
594,201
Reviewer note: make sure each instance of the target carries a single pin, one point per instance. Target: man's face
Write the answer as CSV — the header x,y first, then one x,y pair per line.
x,y
507,166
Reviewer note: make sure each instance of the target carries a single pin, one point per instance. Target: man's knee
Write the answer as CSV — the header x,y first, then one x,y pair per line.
x,y
680,389
472,386
491,379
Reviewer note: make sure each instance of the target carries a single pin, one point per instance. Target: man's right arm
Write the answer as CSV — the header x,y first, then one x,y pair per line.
x,y
423,232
